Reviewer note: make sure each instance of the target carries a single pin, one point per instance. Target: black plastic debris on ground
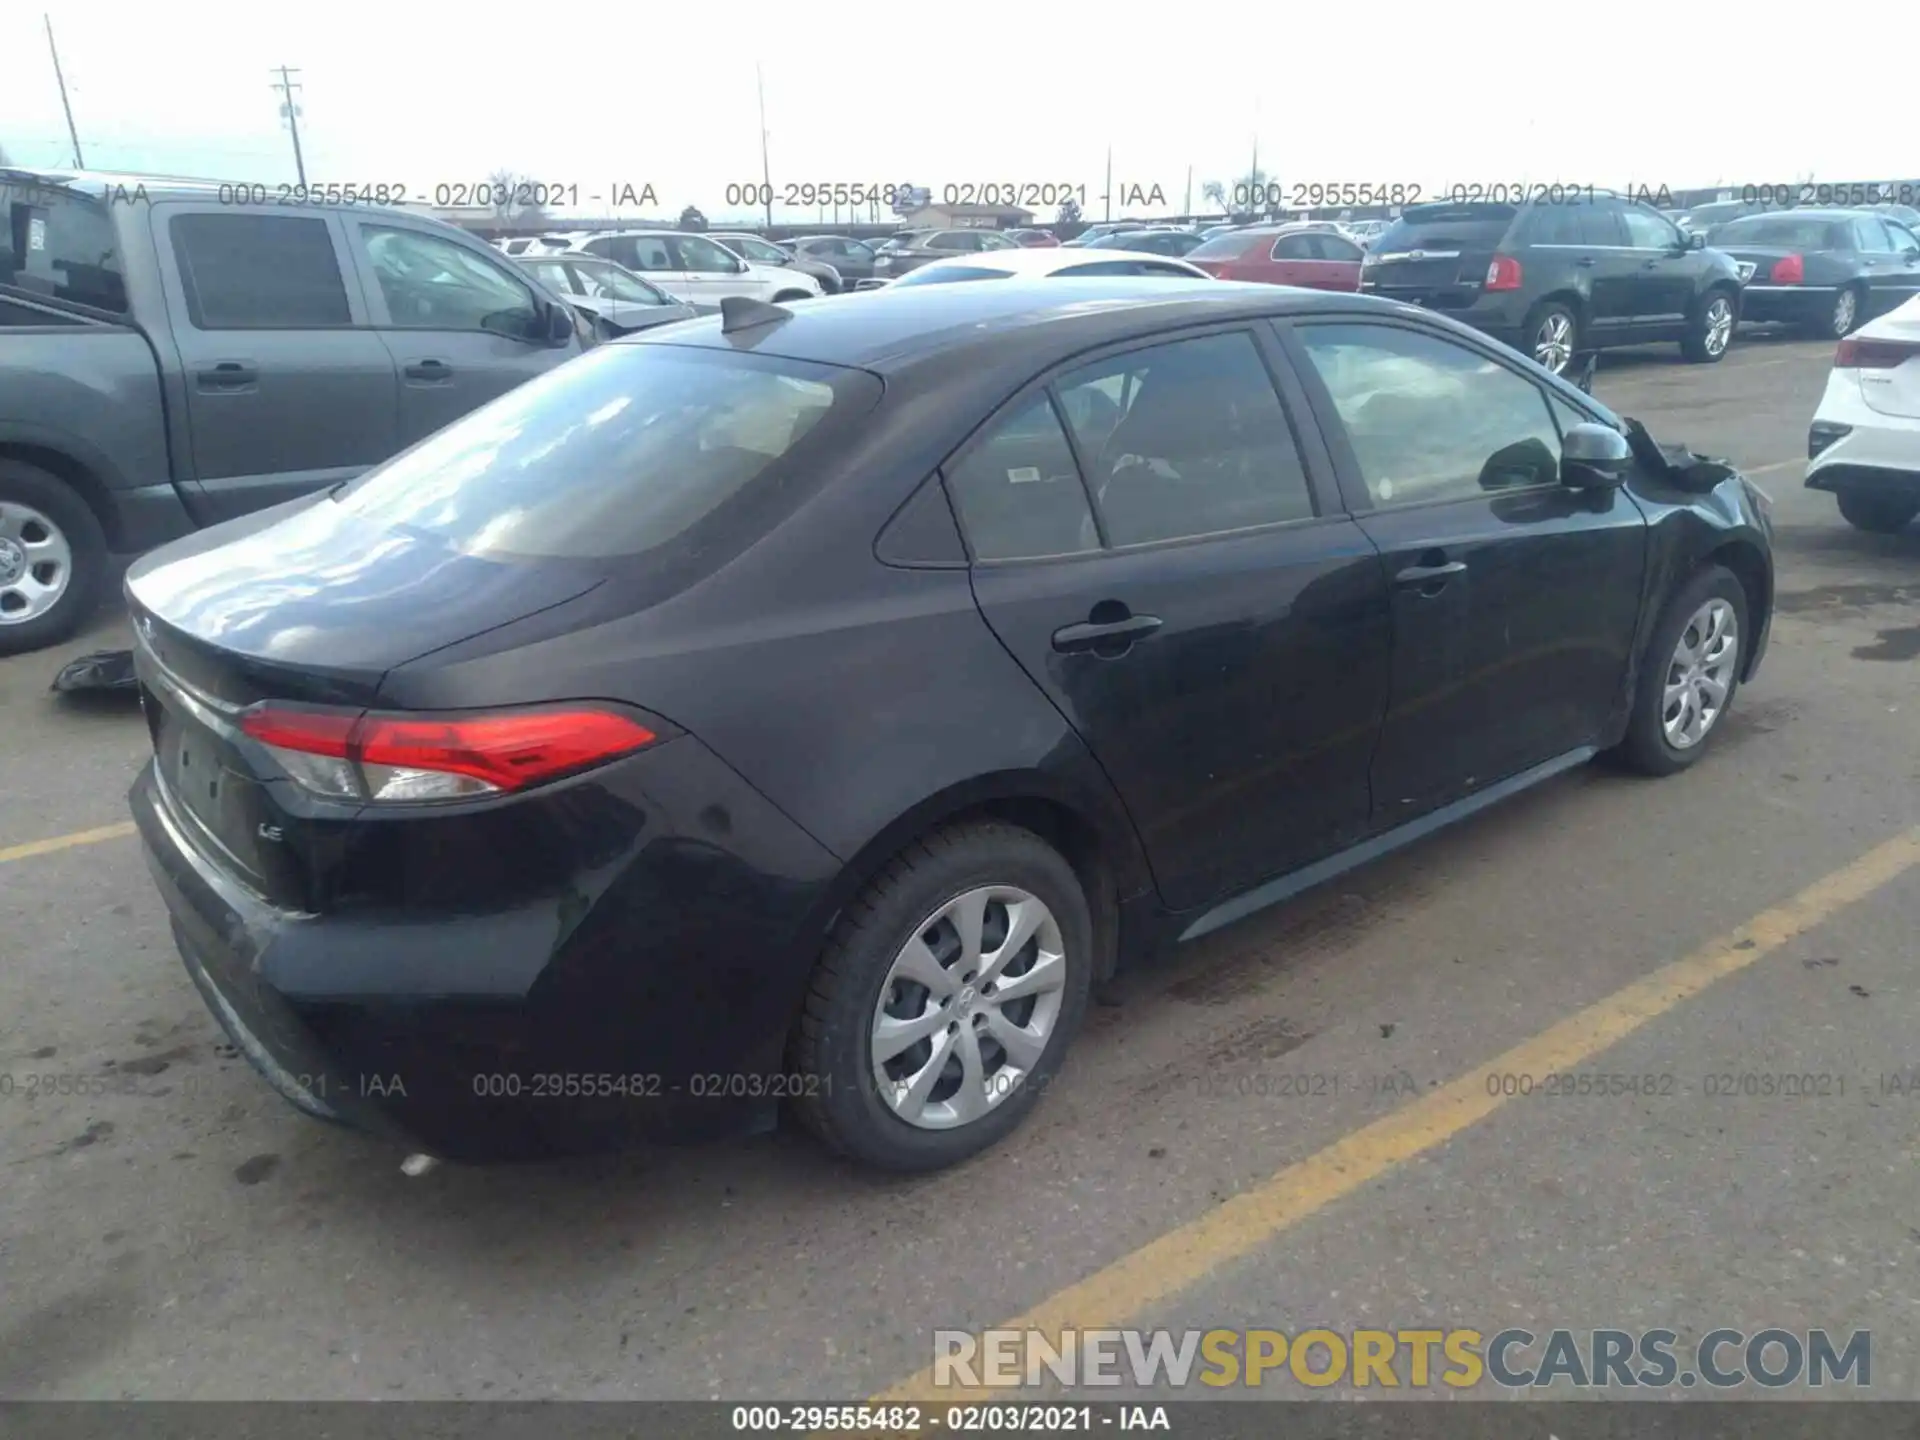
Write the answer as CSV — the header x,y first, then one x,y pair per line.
x,y
102,672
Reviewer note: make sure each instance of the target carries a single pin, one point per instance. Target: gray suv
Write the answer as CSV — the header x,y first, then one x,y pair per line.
x,y
180,353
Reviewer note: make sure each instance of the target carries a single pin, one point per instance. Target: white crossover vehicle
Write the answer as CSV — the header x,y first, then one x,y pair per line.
x,y
1864,444
693,268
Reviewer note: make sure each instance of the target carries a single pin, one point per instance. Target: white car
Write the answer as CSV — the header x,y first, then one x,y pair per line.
x,y
1059,261
1864,442
695,269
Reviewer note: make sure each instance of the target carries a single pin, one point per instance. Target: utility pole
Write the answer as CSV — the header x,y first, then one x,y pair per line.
x,y
1108,197
289,111
766,171
72,134
1187,204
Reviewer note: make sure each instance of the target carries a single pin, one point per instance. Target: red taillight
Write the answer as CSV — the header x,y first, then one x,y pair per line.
x,y
1857,354
1503,273
1788,271
374,756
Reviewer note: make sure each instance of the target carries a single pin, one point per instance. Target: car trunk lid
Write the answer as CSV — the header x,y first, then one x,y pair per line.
x,y
1886,357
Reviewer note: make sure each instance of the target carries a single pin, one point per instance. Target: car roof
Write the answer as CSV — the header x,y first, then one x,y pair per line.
x,y
1800,212
1046,320
1021,262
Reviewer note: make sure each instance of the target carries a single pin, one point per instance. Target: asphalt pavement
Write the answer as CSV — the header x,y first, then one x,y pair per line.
x,y
1273,1127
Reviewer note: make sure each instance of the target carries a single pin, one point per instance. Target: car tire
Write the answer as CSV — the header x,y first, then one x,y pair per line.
x,y
1878,514
1710,328
1651,745
1551,318
1848,310
859,983
50,539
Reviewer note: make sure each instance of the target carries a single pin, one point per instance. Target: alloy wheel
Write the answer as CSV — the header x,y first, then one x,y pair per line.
x,y
1845,306
1553,342
1719,326
1700,674
36,563
968,1006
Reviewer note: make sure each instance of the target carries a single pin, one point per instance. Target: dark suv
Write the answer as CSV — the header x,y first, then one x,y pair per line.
x,y
1558,278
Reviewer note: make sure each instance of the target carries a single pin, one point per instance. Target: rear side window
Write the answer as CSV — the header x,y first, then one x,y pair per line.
x,y
1018,492
1788,231
1332,247
1294,247
61,245
629,450
1184,439
259,272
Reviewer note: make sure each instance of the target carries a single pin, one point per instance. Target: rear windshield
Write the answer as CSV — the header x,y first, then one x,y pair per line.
x,y
1447,227
1800,233
945,274
629,450
60,244
1224,247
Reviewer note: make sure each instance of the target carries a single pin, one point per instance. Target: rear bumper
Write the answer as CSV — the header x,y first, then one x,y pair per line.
x,y
1793,304
650,1000
1862,449
1500,316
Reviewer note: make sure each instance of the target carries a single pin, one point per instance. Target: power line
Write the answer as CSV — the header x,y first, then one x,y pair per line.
x,y
291,112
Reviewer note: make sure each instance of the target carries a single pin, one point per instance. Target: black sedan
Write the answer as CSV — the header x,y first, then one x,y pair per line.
x,y
1827,271
809,707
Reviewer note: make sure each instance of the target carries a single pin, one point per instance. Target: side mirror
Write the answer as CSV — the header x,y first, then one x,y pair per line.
x,y
1696,241
1594,457
560,324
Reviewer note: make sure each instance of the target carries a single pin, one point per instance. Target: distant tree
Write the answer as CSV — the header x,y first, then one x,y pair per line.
x,y
1069,212
692,219
1214,192
510,196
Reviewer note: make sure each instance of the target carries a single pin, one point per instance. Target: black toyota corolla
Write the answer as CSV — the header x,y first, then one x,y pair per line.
x,y
805,709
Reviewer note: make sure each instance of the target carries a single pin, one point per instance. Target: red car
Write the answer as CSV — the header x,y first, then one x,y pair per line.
x,y
1277,255
1032,238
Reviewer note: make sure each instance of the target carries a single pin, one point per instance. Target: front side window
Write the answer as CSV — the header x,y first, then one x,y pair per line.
x,y
1187,438
255,272
1648,231
1017,492
605,280
628,450
60,244
700,254
434,283
1431,420
556,275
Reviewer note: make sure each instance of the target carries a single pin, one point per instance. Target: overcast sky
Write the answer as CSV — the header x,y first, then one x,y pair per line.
x,y
606,94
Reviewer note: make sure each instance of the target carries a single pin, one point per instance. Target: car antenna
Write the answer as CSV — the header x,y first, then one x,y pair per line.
x,y
741,312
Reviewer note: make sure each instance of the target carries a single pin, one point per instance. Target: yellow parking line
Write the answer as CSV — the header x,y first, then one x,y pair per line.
x,y
1180,1258
66,842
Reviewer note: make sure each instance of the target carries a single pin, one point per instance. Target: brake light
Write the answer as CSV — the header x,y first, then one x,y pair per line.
x,y
1788,271
1856,354
350,755
1503,273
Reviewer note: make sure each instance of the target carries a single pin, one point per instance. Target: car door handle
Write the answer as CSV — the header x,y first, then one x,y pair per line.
x,y
1585,262
228,375
1114,634
1429,579
429,370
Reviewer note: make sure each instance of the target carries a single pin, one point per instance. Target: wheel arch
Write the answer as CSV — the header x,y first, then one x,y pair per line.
x,y
1096,840
76,475
1748,565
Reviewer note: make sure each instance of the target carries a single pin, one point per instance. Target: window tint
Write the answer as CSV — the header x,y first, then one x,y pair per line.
x,y
1792,231
61,245
1333,247
1293,247
605,280
438,284
1017,492
1871,236
946,272
1432,420
1648,231
1447,226
991,240
557,275
699,253
954,240
636,252
624,451
244,272
1193,440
